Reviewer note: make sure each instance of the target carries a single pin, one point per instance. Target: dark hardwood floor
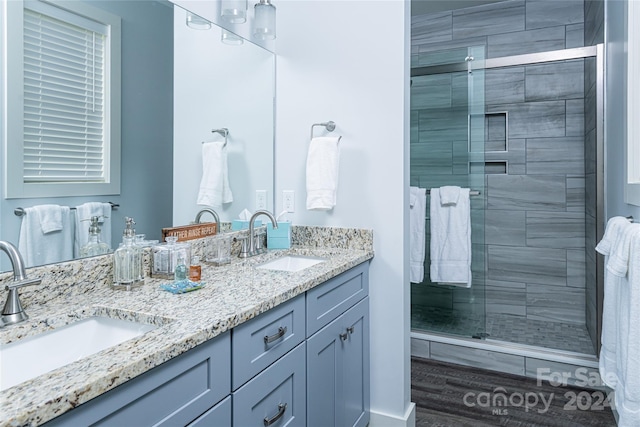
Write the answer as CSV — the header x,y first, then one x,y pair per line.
x,y
453,395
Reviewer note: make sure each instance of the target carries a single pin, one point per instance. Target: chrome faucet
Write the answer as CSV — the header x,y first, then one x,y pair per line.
x,y
251,249
212,212
13,311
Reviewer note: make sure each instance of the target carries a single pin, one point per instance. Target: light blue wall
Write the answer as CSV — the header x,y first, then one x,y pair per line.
x,y
147,126
615,110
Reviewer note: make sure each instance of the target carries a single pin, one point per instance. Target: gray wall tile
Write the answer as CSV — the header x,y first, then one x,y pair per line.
x,y
558,80
534,119
575,117
593,22
576,268
504,85
550,13
431,28
522,264
574,35
506,298
505,227
526,192
431,92
555,156
506,17
530,41
555,229
575,194
555,303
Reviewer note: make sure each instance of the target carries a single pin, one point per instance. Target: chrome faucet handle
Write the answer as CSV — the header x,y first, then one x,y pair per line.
x,y
244,251
13,311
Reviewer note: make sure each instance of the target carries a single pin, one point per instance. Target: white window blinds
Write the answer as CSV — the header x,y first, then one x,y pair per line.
x,y
64,98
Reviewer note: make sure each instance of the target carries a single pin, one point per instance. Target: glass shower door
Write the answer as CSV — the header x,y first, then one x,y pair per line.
x,y
448,133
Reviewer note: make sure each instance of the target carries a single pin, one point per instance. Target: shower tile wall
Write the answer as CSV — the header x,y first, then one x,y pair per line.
x,y
535,213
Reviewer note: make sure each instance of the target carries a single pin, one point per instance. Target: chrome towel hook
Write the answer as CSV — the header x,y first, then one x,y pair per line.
x,y
330,126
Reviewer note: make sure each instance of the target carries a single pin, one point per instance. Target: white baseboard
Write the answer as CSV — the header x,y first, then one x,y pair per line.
x,y
385,420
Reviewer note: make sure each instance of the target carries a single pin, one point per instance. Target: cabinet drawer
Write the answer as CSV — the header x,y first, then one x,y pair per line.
x,y
277,394
174,393
218,416
261,341
327,301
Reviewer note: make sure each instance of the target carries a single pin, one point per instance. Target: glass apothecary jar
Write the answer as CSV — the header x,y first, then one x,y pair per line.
x,y
164,257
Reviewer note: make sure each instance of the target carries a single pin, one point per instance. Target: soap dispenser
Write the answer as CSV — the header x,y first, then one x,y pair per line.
x,y
127,260
94,246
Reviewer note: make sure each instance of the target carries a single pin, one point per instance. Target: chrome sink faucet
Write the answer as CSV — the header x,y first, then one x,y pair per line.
x,y
251,249
212,212
13,311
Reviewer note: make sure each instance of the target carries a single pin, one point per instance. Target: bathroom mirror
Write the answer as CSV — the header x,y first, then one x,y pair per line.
x,y
161,151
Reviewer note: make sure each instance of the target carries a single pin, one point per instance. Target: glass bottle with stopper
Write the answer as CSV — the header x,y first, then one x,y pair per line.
x,y
127,260
94,246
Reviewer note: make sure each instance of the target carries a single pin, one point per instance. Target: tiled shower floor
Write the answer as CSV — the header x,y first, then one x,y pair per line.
x,y
504,327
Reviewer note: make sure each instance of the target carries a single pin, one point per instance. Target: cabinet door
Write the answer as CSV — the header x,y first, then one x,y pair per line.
x,y
172,394
275,396
338,371
218,416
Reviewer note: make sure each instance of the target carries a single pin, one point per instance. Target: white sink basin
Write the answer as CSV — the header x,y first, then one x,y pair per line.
x,y
27,358
291,263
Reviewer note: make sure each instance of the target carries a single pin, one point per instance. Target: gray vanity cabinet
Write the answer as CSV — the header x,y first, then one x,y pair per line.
x,y
338,353
172,394
303,362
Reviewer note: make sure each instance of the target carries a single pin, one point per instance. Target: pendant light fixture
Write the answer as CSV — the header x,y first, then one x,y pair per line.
x,y
230,38
264,24
234,11
197,22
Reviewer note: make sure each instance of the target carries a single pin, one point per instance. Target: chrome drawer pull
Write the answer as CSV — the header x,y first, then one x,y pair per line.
x,y
350,329
344,336
279,334
281,408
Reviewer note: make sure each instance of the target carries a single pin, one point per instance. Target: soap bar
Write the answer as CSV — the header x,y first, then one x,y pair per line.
x,y
243,224
279,238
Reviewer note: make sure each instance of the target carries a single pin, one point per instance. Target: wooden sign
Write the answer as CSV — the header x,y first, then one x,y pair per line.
x,y
190,232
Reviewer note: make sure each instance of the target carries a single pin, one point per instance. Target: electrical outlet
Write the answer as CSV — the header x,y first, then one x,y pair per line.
x,y
261,199
288,200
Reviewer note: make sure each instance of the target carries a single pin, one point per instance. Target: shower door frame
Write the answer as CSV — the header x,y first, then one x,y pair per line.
x,y
597,52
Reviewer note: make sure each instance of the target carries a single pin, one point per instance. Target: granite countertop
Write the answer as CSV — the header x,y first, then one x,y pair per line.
x,y
232,294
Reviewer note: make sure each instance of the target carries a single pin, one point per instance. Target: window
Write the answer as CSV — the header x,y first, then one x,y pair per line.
x,y
63,100
632,189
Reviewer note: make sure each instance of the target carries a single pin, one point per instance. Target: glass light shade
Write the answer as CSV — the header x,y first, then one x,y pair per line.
x,y
264,21
234,11
230,38
197,23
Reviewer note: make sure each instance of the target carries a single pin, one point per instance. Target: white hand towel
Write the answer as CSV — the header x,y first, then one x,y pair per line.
x,y
627,389
323,161
614,243
50,217
417,238
449,195
38,248
84,213
214,185
451,240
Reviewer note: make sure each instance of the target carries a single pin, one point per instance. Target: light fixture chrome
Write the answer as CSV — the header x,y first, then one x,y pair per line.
x,y
197,22
230,38
264,25
234,11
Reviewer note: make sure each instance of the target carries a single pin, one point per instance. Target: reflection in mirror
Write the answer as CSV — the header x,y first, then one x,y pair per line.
x,y
157,190
225,96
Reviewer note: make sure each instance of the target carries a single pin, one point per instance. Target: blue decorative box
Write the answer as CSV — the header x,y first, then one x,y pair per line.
x,y
243,224
279,238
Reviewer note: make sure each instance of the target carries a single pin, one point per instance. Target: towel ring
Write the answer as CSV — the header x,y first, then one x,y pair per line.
x,y
330,126
222,131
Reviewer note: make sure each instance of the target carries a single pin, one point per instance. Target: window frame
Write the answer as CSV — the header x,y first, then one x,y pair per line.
x,y
13,117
